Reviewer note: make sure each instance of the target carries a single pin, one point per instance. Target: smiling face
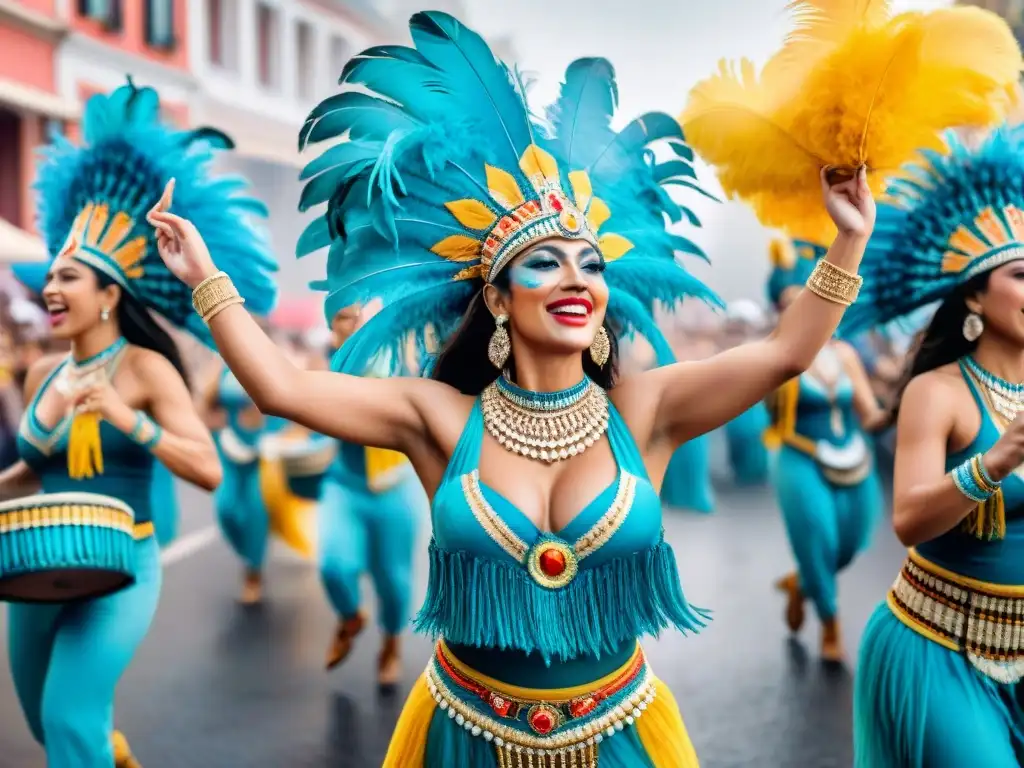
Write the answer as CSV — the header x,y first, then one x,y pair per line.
x,y
74,298
1001,303
556,297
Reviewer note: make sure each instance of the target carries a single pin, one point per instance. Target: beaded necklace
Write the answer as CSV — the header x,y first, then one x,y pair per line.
x,y
1006,398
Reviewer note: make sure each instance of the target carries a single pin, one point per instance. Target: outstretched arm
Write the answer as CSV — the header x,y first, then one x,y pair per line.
x,y
383,413
689,399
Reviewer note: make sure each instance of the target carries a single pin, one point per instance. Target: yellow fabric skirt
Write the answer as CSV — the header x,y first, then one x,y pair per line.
x,y
451,718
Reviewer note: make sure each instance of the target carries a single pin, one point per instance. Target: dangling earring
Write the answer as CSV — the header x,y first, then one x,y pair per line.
x,y
104,314
973,326
600,347
501,345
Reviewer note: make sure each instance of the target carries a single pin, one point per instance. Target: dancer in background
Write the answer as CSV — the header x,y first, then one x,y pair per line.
x,y
748,455
941,659
825,475
687,484
254,500
522,253
99,419
369,513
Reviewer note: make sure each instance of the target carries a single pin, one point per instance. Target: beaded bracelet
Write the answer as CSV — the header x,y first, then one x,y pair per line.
x,y
146,432
213,295
973,481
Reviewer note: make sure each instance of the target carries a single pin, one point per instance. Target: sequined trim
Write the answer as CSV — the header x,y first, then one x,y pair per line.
x,y
490,520
590,542
982,621
602,531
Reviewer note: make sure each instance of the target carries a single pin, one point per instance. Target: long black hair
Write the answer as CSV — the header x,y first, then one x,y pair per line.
x,y
463,362
942,342
140,328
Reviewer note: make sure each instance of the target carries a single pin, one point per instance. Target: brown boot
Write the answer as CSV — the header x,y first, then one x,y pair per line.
x,y
252,588
122,752
832,642
795,604
389,664
341,643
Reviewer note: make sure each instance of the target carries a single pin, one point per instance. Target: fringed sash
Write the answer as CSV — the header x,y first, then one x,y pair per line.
x,y
489,603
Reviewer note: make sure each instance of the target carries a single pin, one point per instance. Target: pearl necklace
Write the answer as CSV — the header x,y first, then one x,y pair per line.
x,y
1007,398
78,375
547,426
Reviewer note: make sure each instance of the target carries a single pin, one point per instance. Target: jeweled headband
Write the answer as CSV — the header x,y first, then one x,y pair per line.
x,y
443,174
946,220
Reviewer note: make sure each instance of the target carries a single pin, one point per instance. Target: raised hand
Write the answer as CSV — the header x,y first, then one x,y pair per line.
x,y
180,245
849,202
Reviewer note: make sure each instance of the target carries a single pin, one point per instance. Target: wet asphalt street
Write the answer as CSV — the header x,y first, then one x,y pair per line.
x,y
216,685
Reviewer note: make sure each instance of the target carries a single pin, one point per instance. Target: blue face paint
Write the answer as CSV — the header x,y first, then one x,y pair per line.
x,y
529,274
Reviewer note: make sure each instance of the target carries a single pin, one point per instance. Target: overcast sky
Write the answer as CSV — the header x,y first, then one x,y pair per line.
x,y
659,48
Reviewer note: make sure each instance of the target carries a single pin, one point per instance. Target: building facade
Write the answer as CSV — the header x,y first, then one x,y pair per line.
x,y
31,32
261,66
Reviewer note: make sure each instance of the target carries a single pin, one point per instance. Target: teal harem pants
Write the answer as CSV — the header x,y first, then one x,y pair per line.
x,y
66,660
241,512
827,524
917,704
361,531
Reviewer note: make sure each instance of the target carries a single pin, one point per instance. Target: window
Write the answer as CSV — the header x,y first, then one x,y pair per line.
x,y
160,23
340,53
106,11
215,31
267,52
304,53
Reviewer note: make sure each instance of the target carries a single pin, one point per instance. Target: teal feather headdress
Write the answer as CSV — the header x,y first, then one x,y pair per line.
x,y
792,263
947,219
443,175
93,200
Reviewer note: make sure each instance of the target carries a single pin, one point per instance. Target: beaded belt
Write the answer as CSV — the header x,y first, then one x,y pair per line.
x,y
541,733
983,621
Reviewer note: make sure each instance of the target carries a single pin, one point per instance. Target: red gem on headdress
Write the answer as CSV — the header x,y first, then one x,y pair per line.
x,y
552,562
583,706
500,705
556,204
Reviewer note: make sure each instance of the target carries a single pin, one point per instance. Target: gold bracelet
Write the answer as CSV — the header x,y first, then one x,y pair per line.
x,y
211,292
218,308
834,284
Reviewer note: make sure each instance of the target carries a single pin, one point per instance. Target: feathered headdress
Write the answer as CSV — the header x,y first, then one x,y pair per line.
x,y
93,200
792,262
852,86
949,218
443,176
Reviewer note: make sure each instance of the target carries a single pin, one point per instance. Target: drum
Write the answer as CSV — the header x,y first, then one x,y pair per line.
x,y
306,463
60,547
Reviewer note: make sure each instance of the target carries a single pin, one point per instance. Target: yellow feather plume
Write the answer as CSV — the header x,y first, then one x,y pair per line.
x,y
852,86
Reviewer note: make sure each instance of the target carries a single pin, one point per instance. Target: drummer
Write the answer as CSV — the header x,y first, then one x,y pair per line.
x,y
98,419
369,513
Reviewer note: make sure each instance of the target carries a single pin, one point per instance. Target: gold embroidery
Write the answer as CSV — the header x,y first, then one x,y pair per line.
x,y
490,520
602,531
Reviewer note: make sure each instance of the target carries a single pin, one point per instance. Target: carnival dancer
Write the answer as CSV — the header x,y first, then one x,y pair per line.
x,y
938,677
825,476
254,500
99,419
521,252
369,514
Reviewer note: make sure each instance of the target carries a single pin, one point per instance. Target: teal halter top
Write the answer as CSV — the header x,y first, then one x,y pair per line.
x,y
820,417
489,586
999,561
127,466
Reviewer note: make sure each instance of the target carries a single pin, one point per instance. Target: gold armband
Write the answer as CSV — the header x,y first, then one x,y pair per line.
x,y
834,284
215,294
